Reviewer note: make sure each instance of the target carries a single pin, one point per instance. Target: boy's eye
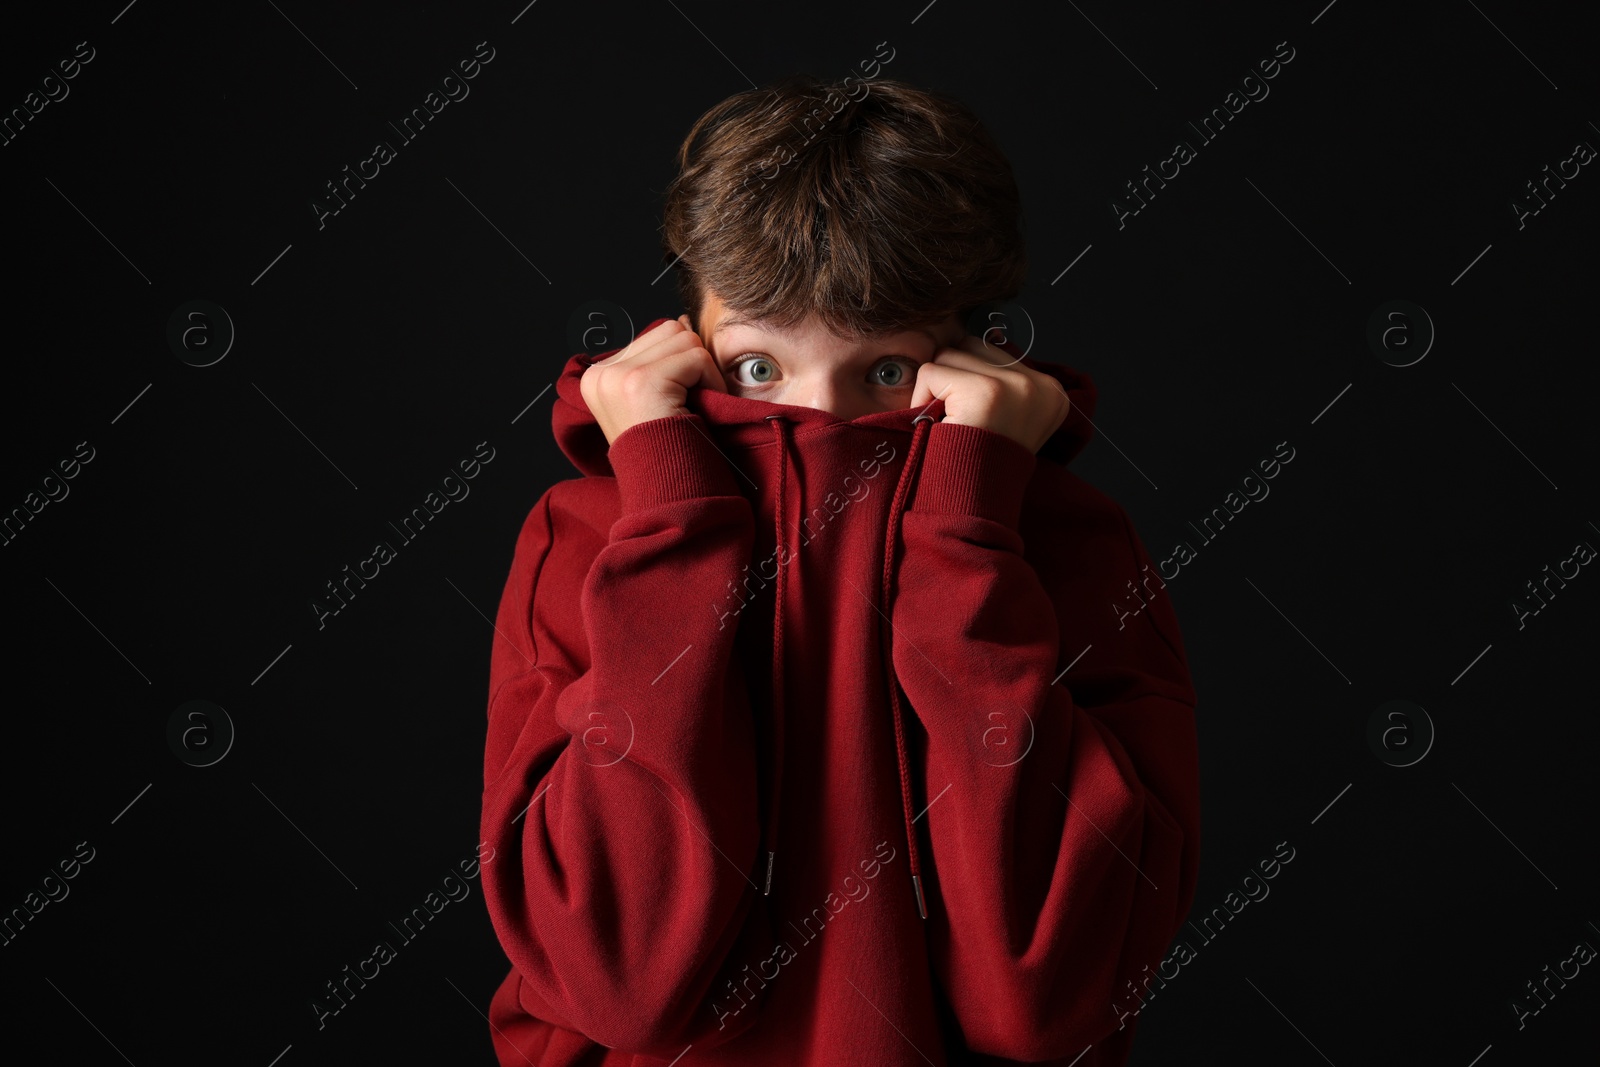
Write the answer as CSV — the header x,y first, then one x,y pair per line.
x,y
898,373
763,370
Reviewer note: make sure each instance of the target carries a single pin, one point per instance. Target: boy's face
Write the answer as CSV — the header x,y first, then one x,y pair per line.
x,y
810,367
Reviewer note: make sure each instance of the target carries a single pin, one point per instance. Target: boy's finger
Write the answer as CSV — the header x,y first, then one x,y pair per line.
x,y
973,357
692,366
649,341
989,352
933,381
711,376
710,373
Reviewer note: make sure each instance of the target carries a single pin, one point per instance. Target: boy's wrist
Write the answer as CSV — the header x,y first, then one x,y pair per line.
x,y
662,460
971,470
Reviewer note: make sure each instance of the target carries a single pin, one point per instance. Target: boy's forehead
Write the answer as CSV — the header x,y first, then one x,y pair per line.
x,y
733,320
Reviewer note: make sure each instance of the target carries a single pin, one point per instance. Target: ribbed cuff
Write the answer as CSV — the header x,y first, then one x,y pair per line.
x,y
970,470
659,461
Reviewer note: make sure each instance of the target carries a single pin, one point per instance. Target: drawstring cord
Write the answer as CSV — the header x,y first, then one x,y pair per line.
x,y
780,428
908,476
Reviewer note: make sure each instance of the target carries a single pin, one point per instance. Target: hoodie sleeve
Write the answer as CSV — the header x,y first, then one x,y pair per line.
x,y
619,764
1063,820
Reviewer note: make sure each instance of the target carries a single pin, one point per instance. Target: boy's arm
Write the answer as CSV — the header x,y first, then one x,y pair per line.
x,y
1059,874
620,791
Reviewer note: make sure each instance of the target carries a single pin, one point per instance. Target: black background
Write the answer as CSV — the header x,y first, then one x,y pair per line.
x,y
377,351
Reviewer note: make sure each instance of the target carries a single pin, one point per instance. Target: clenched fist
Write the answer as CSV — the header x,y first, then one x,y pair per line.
x,y
983,386
650,378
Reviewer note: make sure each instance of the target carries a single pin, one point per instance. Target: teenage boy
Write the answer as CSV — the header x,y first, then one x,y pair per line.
x,y
819,731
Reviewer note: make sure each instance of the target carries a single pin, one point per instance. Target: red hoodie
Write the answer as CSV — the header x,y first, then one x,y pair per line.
x,y
815,741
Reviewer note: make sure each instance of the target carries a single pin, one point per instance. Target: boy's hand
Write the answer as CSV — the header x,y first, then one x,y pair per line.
x,y
650,378
982,386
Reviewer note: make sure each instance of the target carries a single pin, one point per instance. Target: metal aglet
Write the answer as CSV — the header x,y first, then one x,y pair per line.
x,y
768,890
916,883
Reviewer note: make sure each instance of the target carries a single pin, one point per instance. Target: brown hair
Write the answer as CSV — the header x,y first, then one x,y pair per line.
x,y
879,207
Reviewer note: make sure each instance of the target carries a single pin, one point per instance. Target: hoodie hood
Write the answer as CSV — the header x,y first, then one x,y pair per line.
x,y
743,422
